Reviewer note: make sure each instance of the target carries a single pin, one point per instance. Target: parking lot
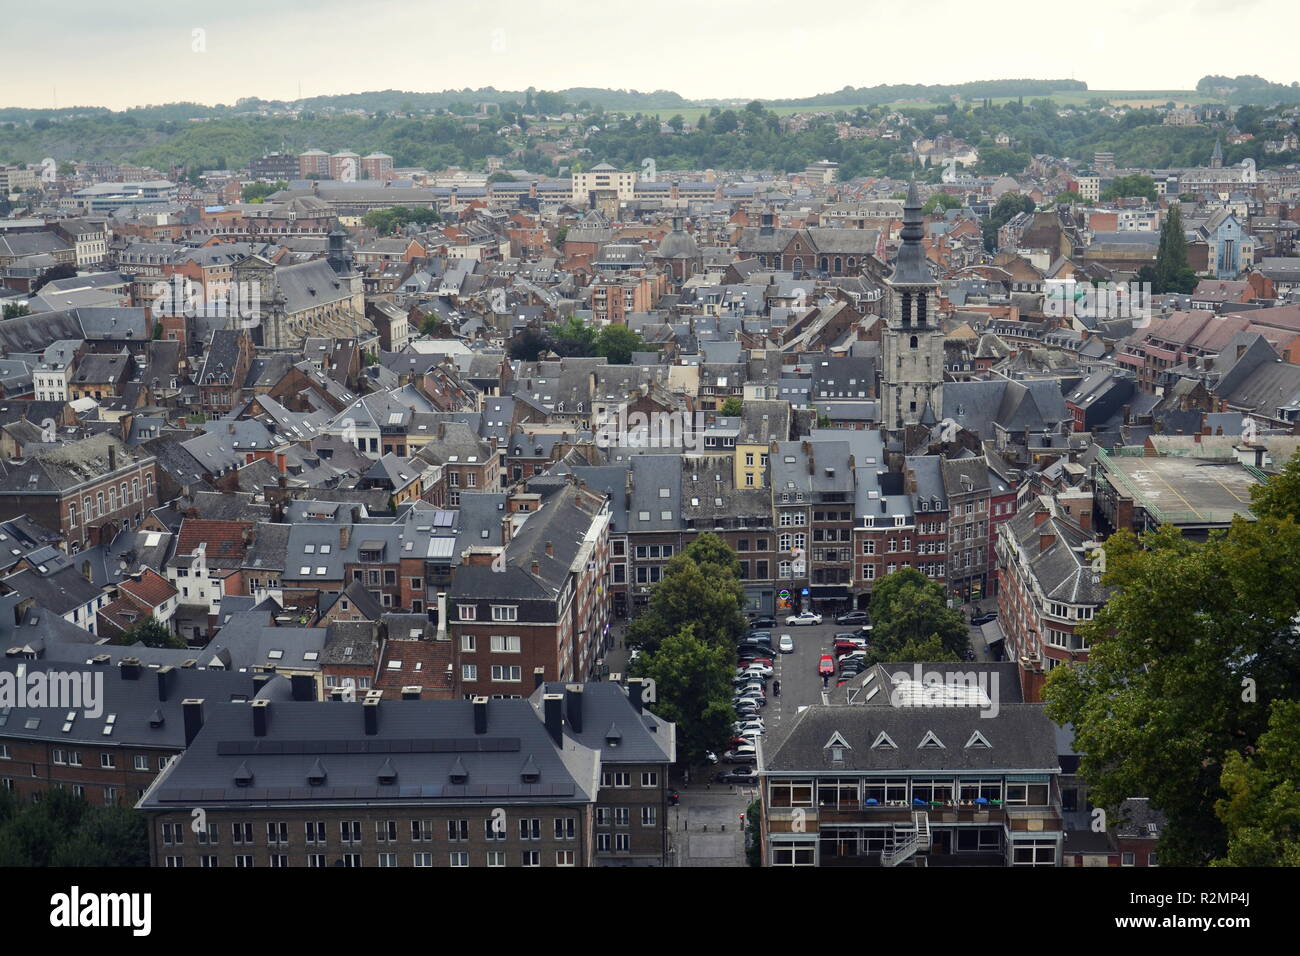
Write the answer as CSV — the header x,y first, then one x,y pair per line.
x,y
800,683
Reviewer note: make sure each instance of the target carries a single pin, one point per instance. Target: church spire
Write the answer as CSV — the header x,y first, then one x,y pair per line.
x,y
911,267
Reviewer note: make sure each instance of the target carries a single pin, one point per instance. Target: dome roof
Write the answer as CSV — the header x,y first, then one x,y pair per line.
x,y
678,244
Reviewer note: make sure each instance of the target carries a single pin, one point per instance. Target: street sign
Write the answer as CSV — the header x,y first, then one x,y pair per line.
x,y
783,594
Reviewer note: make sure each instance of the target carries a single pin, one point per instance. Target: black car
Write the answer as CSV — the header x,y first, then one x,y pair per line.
x,y
757,635
739,775
759,623
853,617
984,618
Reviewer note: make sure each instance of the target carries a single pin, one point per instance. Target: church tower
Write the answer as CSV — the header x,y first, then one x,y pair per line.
x,y
911,346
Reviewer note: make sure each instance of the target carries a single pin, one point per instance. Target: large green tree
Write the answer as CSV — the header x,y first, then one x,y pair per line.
x,y
910,615
692,681
1261,809
699,587
64,830
1194,644
1172,273
617,343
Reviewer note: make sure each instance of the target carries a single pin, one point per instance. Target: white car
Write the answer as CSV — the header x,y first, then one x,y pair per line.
x,y
786,645
750,728
803,617
754,670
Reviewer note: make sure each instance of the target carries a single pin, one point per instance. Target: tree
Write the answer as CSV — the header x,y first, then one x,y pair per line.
x,y
706,595
65,830
1279,497
732,407
940,200
573,337
15,309
501,176
909,611
1069,198
676,122
617,343
1172,273
1134,185
257,192
1193,637
151,633
692,681
1261,811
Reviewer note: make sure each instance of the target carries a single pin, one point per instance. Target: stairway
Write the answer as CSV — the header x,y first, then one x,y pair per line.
x,y
907,840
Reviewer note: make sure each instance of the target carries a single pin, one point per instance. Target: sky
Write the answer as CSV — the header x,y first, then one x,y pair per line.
x,y
93,53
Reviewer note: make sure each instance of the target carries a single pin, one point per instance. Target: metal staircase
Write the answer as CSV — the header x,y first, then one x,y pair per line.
x,y
907,840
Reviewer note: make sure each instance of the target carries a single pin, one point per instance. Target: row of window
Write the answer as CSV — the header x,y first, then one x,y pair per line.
x,y
61,757
350,831
94,508
500,612
527,858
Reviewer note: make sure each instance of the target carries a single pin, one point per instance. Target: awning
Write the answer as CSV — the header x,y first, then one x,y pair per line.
x,y
992,633
828,591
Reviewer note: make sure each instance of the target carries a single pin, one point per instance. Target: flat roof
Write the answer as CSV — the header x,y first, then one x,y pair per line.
x,y
1185,490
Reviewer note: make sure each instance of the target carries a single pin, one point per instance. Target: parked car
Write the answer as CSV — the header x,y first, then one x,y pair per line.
x,y
758,670
826,666
853,617
739,775
852,668
746,754
803,617
751,699
786,644
762,658
984,618
758,636
749,728
762,622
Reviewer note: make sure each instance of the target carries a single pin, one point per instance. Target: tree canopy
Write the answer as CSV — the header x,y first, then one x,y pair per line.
x,y
1189,659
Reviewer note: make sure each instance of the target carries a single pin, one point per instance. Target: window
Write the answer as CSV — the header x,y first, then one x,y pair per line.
x,y
421,831
503,672
505,612
565,828
530,829
389,859
649,816
107,762
458,830
469,672
275,833
315,831
242,833
505,645
467,643
496,858
467,612
565,858
459,858
650,779
611,778
423,859
350,831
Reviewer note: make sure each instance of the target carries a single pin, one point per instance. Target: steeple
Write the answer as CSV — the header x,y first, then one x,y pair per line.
x,y
911,268
1216,157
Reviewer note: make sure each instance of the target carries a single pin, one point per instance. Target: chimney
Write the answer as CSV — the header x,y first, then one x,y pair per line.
x,y
550,549
112,458
442,616
573,706
480,715
261,713
230,428
165,677
260,681
370,711
412,692
192,713
1040,516
345,534
552,710
281,461
634,685
130,668
539,677
303,686
1045,541
537,569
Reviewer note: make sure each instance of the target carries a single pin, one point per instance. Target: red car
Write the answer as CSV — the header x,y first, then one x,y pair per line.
x,y
826,666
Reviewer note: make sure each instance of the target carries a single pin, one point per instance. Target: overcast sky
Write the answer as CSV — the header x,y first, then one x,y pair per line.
x,y
90,52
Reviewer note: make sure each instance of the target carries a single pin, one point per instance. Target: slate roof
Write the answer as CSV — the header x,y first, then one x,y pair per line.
x,y
418,742
1020,738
